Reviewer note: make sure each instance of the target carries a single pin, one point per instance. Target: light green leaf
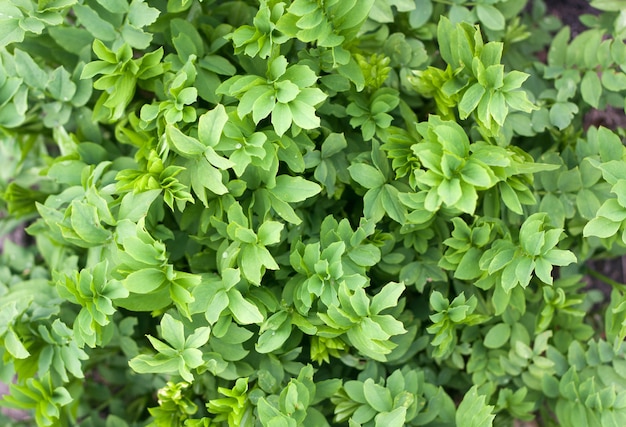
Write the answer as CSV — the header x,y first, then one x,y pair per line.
x,y
269,232
591,88
395,418
366,175
303,115
14,346
211,124
391,203
559,257
421,14
244,312
450,191
115,6
474,411
498,107
609,5
614,80
491,17
377,396
85,222
272,339
173,332
562,113
601,227
60,85
183,144
513,80
98,27
387,297
470,100
136,205
144,281
293,189
497,336
281,118
29,70
477,175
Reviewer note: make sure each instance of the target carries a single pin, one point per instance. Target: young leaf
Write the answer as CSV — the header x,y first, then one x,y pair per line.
x,y
473,410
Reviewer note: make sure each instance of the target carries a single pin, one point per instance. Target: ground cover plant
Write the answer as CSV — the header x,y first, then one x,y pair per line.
x,y
310,212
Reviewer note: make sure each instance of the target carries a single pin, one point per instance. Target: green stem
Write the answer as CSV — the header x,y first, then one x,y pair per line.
x,y
614,284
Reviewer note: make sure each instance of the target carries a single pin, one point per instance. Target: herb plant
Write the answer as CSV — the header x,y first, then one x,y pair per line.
x,y
335,212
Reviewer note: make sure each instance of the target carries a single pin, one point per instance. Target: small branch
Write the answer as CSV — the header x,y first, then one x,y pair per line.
x,y
614,284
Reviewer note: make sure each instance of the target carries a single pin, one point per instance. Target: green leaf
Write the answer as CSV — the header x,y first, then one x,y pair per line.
x,y
205,176
85,222
114,6
591,88
293,189
377,396
473,410
60,85
183,144
395,418
140,14
562,113
173,332
601,227
211,124
498,107
613,80
513,80
281,118
559,257
269,232
611,147
391,203
272,339
450,191
303,115
491,17
333,144
497,336
470,100
98,27
477,175
244,312
144,281
135,206
612,209
366,175
421,14
501,299
29,70
609,5
14,346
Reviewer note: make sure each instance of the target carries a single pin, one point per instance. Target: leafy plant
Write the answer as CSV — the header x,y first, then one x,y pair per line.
x,y
283,213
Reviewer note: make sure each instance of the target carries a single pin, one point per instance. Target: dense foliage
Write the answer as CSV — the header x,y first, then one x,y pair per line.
x,y
310,212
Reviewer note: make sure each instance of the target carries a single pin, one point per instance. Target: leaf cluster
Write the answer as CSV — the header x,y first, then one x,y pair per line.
x,y
333,212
